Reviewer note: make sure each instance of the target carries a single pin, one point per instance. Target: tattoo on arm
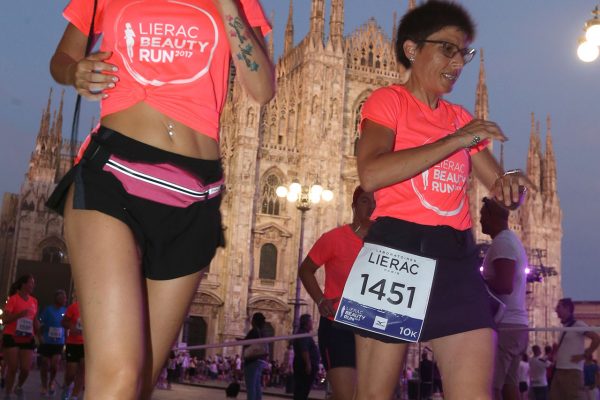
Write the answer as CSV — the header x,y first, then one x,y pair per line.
x,y
238,29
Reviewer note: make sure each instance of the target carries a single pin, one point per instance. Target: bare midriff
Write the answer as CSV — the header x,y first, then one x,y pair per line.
x,y
147,125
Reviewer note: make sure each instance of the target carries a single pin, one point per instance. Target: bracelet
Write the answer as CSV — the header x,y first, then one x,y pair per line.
x,y
474,141
320,301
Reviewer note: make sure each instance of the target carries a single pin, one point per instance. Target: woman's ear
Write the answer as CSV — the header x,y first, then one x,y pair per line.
x,y
410,49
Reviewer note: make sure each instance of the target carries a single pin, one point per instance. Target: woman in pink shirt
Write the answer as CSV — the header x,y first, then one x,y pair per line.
x,y
18,337
337,250
416,153
141,206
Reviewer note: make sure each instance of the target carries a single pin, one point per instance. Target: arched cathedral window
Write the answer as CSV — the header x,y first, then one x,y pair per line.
x,y
52,254
268,262
270,203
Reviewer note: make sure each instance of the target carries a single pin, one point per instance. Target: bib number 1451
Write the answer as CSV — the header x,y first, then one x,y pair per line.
x,y
394,296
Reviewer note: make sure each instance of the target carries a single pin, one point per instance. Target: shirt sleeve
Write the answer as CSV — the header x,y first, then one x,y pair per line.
x,y
382,107
256,16
322,250
69,313
79,13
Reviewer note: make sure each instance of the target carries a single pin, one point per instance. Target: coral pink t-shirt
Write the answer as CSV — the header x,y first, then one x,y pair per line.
x,y
171,54
337,250
72,314
15,305
437,196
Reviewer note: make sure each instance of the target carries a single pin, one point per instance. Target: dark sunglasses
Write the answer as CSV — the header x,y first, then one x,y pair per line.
x,y
450,50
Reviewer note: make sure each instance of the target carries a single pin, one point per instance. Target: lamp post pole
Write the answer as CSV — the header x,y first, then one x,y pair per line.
x,y
304,199
296,324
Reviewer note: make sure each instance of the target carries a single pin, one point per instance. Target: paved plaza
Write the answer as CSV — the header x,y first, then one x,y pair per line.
x,y
178,392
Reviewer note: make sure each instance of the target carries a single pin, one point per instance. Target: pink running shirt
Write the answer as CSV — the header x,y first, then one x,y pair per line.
x,y
437,196
171,54
337,250
15,305
72,314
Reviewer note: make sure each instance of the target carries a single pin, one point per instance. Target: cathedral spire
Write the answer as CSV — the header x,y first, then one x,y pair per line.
x,y
549,188
534,159
395,27
481,102
289,31
57,132
271,43
336,24
412,4
45,121
317,21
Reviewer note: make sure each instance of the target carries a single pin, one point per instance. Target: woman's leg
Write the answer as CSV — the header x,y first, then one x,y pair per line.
x,y
343,382
378,367
79,378
11,361
466,362
105,265
70,371
168,304
25,357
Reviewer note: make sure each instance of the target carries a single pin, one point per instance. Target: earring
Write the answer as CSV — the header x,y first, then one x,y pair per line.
x,y
411,59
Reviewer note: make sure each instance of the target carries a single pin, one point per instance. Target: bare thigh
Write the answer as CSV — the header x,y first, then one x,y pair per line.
x,y
378,367
466,362
343,382
168,304
111,294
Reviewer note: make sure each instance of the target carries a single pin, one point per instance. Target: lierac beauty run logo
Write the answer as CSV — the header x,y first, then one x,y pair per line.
x,y
446,178
157,49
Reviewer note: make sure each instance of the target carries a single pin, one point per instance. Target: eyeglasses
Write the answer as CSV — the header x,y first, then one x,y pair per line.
x,y
450,49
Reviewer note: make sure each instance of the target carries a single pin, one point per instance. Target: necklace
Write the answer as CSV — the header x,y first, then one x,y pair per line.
x,y
357,229
170,128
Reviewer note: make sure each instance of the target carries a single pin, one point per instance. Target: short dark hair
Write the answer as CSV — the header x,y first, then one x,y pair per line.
x,y
495,208
429,18
18,284
567,302
304,318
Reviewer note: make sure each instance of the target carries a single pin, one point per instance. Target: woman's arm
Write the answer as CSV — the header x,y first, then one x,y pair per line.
x,y
252,63
88,75
307,276
9,317
380,166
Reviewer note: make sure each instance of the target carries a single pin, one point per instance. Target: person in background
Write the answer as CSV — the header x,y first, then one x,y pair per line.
x,y
538,379
254,364
75,369
591,378
306,360
336,250
523,377
504,273
20,326
567,378
141,204
52,341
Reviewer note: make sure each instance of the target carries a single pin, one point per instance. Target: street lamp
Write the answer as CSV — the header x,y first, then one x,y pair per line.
x,y
589,44
304,199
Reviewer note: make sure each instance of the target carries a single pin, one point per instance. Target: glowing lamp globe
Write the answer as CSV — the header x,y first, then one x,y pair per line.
x,y
592,34
587,52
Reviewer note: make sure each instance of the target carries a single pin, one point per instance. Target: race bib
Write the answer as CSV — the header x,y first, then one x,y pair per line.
x,y
387,292
55,332
24,327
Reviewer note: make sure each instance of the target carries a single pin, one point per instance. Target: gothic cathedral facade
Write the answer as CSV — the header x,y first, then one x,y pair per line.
x,y
307,132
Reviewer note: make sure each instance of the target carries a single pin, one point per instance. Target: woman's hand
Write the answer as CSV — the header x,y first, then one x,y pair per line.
x,y
326,308
477,130
510,188
91,76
